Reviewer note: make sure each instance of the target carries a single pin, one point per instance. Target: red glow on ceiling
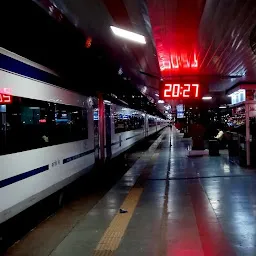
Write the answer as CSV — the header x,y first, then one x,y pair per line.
x,y
175,26
169,90
183,61
5,96
88,42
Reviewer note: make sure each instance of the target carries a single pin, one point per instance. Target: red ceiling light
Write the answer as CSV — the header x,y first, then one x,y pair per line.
x,y
88,42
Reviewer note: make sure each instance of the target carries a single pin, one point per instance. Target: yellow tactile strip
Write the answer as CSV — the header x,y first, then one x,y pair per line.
x,y
112,237
114,233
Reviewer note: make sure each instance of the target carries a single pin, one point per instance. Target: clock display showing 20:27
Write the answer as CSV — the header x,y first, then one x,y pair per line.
x,y
183,91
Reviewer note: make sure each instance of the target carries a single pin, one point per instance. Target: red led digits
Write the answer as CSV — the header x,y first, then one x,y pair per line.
x,y
185,61
176,91
165,65
186,91
196,86
179,91
174,61
179,61
194,63
167,90
5,96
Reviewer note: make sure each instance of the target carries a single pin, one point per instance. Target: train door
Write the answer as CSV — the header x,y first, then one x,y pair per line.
x,y
108,131
3,127
146,125
96,134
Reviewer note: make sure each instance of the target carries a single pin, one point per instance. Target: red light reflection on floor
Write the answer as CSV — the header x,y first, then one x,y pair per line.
x,y
213,239
182,252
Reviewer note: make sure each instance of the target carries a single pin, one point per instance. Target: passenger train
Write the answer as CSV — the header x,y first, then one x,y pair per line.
x,y
49,135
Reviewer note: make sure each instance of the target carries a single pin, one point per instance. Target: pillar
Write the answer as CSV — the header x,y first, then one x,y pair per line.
x,y
247,137
101,126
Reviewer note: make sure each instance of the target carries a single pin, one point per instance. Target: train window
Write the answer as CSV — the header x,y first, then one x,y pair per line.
x,y
70,124
126,122
21,128
28,124
151,122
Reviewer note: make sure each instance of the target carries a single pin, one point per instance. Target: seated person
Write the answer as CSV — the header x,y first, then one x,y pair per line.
x,y
222,138
220,135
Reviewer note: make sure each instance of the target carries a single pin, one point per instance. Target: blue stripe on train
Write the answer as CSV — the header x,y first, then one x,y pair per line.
x,y
18,67
22,176
69,159
133,136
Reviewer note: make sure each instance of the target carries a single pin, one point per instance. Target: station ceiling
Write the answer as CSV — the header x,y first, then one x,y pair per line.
x,y
211,40
215,33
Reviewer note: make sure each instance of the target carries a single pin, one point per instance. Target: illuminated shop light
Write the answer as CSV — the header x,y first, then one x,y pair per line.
x,y
237,96
160,101
128,35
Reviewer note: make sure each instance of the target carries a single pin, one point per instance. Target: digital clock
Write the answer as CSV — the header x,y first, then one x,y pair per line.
x,y
179,90
5,96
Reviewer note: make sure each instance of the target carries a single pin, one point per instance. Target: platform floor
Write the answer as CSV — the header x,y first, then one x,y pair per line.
x,y
176,206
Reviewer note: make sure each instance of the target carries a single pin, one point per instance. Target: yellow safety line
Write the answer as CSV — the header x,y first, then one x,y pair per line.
x,y
114,233
111,239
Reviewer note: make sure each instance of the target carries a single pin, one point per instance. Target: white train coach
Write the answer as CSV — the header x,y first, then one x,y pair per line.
x,y
49,135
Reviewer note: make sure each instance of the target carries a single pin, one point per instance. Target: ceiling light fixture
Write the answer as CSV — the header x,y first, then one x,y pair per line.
x,y
206,98
128,35
160,101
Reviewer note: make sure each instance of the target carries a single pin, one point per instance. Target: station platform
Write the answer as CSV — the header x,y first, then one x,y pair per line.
x,y
172,205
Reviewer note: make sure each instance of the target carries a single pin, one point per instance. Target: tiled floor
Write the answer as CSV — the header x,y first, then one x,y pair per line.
x,y
188,206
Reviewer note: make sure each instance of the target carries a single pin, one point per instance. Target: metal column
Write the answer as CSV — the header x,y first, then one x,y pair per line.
x,y
101,127
247,138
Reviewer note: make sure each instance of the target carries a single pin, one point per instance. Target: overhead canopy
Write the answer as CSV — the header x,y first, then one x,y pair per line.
x,y
210,39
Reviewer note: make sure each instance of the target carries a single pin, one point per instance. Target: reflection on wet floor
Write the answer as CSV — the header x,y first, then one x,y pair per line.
x,y
186,206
